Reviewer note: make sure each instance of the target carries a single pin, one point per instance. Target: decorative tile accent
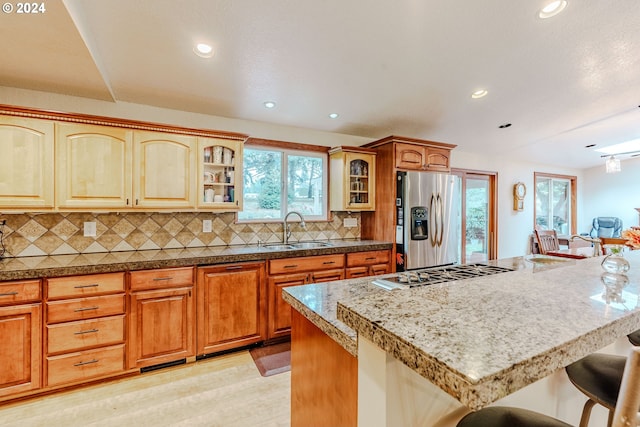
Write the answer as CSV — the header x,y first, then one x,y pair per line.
x,y
40,234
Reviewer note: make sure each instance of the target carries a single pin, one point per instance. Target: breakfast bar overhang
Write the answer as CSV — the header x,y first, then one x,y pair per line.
x,y
428,355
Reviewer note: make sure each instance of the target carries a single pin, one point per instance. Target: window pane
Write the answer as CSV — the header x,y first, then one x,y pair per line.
x,y
561,208
477,213
262,185
553,204
542,203
305,185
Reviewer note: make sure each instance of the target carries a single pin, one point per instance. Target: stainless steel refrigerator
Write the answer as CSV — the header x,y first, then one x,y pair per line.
x,y
428,220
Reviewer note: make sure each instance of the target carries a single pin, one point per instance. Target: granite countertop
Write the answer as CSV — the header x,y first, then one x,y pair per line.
x,y
481,339
65,265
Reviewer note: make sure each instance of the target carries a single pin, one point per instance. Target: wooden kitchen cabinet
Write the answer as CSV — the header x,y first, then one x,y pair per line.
x,y
93,166
85,327
295,272
162,316
164,170
422,157
231,306
220,174
26,163
21,343
397,153
352,186
370,263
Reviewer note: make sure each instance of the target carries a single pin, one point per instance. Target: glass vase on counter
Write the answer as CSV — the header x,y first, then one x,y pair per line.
x,y
615,262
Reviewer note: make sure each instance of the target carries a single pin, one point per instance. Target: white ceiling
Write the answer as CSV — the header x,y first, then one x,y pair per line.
x,y
388,67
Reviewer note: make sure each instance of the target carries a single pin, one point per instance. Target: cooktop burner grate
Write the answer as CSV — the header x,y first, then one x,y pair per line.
x,y
431,276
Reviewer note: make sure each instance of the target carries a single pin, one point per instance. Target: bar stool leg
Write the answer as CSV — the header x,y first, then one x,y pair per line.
x,y
586,413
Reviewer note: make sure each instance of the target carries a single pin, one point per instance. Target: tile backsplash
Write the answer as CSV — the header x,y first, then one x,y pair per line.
x,y
36,234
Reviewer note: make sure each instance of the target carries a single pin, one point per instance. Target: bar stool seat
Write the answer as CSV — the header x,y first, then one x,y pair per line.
x,y
598,376
634,337
503,416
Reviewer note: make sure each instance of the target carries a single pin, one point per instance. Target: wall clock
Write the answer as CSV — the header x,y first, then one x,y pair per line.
x,y
519,191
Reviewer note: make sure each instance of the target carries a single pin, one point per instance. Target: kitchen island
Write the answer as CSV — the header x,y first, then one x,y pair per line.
x,y
428,355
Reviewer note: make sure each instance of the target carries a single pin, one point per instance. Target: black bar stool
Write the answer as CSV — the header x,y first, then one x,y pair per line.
x,y
628,398
598,376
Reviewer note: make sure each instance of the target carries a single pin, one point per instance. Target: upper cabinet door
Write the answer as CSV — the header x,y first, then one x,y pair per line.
x,y
164,170
93,166
26,163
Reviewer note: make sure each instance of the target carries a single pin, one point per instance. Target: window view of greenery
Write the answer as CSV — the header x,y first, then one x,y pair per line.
x,y
553,204
266,171
477,196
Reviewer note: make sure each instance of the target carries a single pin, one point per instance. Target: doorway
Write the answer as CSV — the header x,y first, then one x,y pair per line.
x,y
479,215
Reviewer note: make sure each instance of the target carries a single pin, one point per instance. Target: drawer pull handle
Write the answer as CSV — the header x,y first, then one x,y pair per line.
x,y
370,258
86,308
158,279
328,262
9,294
291,266
88,331
93,285
88,362
234,267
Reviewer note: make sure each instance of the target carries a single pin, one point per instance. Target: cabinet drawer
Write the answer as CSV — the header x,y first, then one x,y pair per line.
x,y
367,258
84,365
164,278
18,292
311,263
73,336
84,308
77,286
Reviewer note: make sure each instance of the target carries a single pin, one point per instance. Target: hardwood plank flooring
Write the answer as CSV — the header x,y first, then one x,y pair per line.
x,y
225,391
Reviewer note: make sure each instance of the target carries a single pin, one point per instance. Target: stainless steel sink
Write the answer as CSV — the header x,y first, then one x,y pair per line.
x,y
311,245
545,259
278,247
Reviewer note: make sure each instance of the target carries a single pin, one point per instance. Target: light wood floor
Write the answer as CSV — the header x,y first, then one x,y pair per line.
x,y
223,391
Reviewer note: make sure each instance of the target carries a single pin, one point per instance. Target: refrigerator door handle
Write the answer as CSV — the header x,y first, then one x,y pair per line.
x,y
440,224
433,228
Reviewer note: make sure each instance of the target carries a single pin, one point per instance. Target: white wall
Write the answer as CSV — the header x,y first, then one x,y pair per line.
x,y
514,227
616,194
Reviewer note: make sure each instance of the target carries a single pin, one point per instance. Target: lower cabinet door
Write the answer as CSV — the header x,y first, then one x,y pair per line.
x,y
85,365
161,326
20,348
279,310
231,306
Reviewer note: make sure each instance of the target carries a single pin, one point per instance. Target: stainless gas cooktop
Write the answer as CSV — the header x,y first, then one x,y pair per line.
x,y
431,276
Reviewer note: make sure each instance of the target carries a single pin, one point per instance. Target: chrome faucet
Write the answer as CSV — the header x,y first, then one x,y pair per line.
x,y
286,230
596,243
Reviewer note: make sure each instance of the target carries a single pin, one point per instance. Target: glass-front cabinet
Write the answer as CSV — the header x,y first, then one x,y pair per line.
x,y
220,178
352,179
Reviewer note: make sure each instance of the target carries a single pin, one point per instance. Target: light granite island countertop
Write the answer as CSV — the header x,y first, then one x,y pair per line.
x,y
476,341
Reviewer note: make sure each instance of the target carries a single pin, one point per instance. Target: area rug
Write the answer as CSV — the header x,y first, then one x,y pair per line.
x,y
272,359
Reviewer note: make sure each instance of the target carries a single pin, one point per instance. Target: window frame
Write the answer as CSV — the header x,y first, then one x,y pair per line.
x,y
573,181
291,149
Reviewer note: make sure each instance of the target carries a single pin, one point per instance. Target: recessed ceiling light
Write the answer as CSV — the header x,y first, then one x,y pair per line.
x,y
334,115
552,9
269,104
479,93
203,50
504,126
